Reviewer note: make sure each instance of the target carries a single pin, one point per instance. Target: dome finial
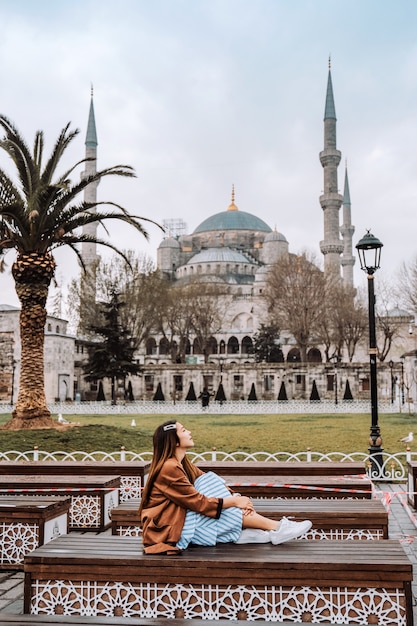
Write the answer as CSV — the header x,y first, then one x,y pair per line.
x,y
232,206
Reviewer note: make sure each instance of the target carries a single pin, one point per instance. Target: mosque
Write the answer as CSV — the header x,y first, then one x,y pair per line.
x,y
233,249
236,249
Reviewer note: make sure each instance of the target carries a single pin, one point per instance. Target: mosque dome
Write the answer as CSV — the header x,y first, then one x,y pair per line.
x,y
219,255
232,219
236,220
169,242
275,236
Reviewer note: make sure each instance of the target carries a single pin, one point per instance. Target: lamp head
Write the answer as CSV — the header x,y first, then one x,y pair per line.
x,y
369,251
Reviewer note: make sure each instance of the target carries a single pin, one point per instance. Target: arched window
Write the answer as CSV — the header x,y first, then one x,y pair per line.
x,y
151,346
57,329
197,347
49,328
164,346
314,356
294,356
212,345
222,347
247,345
233,346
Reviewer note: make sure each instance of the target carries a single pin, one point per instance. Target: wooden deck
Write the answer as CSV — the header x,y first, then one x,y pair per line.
x,y
319,486
28,522
107,575
132,473
92,497
332,519
283,468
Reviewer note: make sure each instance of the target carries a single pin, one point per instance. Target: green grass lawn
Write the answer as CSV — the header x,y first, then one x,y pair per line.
x,y
229,433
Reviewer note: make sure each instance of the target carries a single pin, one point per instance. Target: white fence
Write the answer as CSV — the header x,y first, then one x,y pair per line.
x,y
170,407
394,467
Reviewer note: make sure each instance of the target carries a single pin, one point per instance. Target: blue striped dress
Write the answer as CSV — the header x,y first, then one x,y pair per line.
x,y
207,531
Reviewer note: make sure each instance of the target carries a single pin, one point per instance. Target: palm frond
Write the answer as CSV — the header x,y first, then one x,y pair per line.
x,y
17,149
64,139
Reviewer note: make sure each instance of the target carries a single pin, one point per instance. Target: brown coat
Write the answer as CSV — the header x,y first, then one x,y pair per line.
x,y
172,494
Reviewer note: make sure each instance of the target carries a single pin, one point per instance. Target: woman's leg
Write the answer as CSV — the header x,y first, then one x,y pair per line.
x,y
256,520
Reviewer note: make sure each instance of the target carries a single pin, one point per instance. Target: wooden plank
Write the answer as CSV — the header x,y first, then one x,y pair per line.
x,y
291,563
340,514
282,468
267,486
75,468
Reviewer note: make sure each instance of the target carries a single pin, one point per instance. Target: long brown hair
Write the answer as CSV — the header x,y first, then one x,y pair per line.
x,y
165,441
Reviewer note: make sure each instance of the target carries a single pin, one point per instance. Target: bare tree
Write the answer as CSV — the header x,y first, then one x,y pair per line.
x,y
296,297
407,283
387,326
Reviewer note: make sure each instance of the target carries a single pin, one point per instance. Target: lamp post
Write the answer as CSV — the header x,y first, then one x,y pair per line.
x,y
335,359
369,251
221,368
13,364
391,365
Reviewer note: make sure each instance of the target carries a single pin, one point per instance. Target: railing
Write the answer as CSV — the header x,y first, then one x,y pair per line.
x,y
244,407
394,467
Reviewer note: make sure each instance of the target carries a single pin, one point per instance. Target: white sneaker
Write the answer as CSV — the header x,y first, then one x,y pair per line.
x,y
289,530
254,535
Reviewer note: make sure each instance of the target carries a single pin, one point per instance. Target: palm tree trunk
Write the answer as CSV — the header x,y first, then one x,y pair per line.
x,y
32,273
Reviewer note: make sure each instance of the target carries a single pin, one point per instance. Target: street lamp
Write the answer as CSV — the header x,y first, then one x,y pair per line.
x,y
13,364
391,365
221,368
369,251
335,360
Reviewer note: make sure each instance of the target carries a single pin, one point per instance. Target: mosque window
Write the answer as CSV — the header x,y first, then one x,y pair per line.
x,y
218,268
330,382
269,382
247,345
164,346
151,346
233,346
238,383
178,384
237,268
222,347
49,328
149,382
57,329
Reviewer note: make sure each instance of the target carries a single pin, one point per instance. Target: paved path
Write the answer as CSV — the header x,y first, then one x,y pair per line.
x,y
401,526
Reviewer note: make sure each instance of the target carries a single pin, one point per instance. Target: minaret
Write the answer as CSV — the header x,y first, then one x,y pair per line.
x,y
89,250
347,230
331,201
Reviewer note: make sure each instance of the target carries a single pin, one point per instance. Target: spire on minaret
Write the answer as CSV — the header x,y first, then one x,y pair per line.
x,y
330,200
347,230
91,135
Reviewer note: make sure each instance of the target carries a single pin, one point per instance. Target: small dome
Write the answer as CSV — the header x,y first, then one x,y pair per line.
x,y
169,242
396,312
219,255
274,236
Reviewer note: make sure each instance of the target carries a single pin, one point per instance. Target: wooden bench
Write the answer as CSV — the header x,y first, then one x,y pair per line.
x,y
362,582
92,497
27,523
340,519
412,483
254,486
132,473
283,468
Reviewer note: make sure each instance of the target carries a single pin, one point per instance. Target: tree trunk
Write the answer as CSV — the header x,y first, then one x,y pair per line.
x,y
32,273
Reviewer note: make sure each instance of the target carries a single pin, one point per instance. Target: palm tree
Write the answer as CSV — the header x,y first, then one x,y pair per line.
x,y
40,211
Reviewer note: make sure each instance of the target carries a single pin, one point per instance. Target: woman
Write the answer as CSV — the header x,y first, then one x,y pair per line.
x,y
181,504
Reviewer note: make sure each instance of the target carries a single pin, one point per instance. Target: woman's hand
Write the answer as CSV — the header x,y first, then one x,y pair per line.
x,y
244,503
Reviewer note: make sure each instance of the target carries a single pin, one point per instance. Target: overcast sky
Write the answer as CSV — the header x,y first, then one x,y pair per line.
x,y
198,95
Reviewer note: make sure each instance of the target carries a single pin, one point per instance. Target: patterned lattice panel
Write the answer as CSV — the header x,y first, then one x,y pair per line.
x,y
337,605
